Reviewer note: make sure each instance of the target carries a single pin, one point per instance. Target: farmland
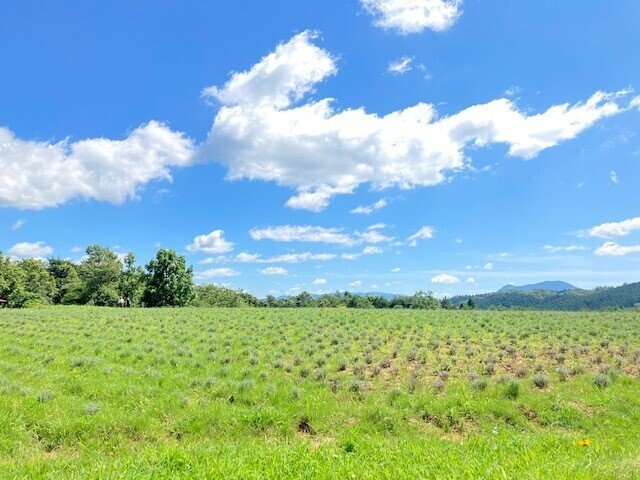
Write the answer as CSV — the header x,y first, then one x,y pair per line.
x,y
88,392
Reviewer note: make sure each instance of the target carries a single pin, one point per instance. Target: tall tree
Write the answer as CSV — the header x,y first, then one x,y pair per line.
x,y
131,282
100,272
169,281
11,281
69,287
39,285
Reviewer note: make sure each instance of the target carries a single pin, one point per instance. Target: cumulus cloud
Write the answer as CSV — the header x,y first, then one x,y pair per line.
x,y
413,16
445,278
288,73
471,280
615,249
400,66
30,250
274,271
266,130
371,250
355,283
488,266
319,281
216,273
615,229
213,242
290,233
396,270
368,209
37,174
425,232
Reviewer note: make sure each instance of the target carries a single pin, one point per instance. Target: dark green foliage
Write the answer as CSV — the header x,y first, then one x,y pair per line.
x,y
169,281
220,296
69,287
131,283
37,280
11,281
100,272
601,298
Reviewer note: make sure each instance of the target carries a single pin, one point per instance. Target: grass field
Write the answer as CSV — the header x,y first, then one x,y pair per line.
x,y
312,393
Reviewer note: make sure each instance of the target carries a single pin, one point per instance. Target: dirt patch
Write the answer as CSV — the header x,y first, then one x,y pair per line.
x,y
305,427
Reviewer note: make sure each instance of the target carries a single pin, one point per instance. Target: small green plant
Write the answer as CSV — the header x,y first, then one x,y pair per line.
x,y
512,389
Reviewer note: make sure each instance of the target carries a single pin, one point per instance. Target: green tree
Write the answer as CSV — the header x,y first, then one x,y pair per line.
x,y
169,282
100,271
447,304
424,300
39,285
471,304
131,284
69,287
11,281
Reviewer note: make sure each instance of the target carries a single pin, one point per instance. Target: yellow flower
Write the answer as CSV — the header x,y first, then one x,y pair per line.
x,y
585,442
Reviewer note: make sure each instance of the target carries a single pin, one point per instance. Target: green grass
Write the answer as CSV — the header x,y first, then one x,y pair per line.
x,y
312,393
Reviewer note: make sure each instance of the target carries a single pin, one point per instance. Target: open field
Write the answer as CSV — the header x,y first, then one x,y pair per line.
x,y
313,393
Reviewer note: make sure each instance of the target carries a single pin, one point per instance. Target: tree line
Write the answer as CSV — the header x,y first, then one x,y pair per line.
x,y
104,278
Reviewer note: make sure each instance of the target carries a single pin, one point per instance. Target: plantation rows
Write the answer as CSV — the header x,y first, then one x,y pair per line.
x,y
120,381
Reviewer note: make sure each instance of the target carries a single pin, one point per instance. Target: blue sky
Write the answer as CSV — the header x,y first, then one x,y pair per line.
x,y
473,131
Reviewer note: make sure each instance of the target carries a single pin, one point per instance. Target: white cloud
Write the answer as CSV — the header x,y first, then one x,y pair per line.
x,y
37,174
615,229
488,266
319,281
615,249
350,256
458,241
213,242
30,250
292,258
274,271
445,278
471,280
18,224
377,226
413,16
371,250
613,176
356,283
76,249
425,232
373,235
568,248
290,233
267,134
217,272
368,209
400,66
396,270
285,75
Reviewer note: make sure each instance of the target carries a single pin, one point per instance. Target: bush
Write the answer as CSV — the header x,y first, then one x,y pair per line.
x,y
540,380
601,381
512,390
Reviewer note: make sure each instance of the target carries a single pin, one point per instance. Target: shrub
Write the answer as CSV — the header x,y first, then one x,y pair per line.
x,y
540,380
601,381
512,390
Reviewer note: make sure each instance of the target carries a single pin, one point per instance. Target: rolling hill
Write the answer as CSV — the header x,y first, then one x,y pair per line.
x,y
625,296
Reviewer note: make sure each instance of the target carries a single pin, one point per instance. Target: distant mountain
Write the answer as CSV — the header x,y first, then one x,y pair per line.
x,y
554,286
625,296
